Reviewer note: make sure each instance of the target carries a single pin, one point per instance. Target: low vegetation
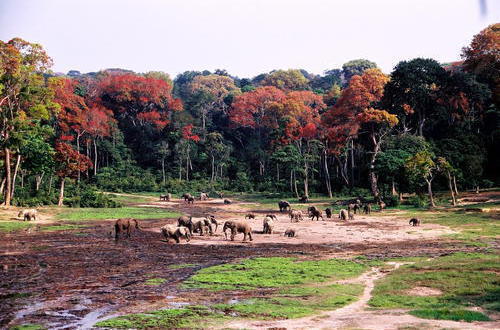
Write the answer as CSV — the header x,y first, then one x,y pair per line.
x,y
461,280
115,213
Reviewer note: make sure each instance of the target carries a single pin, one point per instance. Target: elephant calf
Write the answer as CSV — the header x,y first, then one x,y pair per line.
x,y
284,206
295,215
237,227
227,201
28,215
343,214
170,231
415,222
250,216
125,226
187,222
316,214
367,209
328,212
203,227
290,232
268,226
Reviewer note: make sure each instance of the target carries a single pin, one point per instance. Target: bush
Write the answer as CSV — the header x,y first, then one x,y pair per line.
x,y
418,201
89,197
392,201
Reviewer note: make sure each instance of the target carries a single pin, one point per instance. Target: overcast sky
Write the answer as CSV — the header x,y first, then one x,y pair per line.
x,y
244,37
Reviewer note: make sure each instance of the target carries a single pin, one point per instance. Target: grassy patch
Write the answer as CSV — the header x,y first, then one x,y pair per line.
x,y
28,326
189,317
464,280
294,302
446,314
133,199
155,281
181,266
272,273
9,226
79,214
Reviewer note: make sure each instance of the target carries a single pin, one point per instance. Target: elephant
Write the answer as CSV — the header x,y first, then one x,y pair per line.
x,y
328,212
268,226
381,205
186,196
227,201
367,208
304,199
295,215
203,196
170,231
272,216
250,216
202,226
311,209
316,214
190,200
125,225
237,227
343,214
415,222
187,222
284,206
28,214
290,232
212,221
350,214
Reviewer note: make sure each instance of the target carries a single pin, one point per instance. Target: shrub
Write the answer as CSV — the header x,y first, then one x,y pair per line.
x,y
89,197
392,201
418,201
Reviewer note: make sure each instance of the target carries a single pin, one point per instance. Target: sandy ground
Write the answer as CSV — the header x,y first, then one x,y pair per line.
x,y
74,278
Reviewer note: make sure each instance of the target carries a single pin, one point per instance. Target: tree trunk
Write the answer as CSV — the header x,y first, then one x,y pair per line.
x,y
394,192
2,186
295,184
95,157
61,193
306,179
50,184
38,181
212,178
277,173
8,186
163,170
455,185
453,200
372,175
429,190
352,164
291,181
16,169
327,177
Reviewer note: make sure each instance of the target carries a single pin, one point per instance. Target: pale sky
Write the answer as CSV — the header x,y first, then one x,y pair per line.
x,y
244,37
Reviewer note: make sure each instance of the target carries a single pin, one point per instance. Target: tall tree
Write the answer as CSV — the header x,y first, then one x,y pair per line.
x,y
24,95
356,67
287,80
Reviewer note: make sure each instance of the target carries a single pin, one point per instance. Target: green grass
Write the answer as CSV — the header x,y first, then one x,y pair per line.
x,y
446,314
9,226
272,273
155,281
464,279
28,326
294,302
192,317
79,214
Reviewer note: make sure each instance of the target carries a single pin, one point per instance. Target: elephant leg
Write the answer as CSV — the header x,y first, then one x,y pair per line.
x,y
250,236
177,240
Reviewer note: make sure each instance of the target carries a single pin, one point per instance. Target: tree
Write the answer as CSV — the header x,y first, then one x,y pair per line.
x,y
24,96
445,167
482,58
356,67
413,91
286,80
422,166
378,123
212,91
218,151
69,164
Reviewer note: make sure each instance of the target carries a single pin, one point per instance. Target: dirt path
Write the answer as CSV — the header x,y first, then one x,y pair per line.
x,y
357,316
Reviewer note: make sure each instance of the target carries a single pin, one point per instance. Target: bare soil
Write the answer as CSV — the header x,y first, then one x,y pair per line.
x,y
71,279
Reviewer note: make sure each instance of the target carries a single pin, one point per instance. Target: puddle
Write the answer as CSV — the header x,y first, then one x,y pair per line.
x,y
178,304
233,301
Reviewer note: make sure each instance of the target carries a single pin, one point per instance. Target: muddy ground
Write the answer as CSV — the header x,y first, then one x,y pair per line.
x,y
71,279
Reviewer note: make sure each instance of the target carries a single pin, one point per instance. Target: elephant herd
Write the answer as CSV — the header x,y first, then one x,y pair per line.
x,y
188,198
315,213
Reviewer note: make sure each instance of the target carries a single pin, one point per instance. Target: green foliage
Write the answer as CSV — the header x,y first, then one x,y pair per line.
x,y
446,314
88,197
155,281
418,201
28,326
271,273
9,226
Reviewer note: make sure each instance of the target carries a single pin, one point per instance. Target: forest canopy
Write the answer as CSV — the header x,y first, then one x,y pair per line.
x,y
426,125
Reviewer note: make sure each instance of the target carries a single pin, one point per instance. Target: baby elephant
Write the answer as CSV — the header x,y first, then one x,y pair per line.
x,y
171,231
295,215
415,222
343,214
190,200
203,227
250,216
28,215
367,209
316,214
272,216
351,215
268,226
328,212
227,201
237,227
125,226
290,233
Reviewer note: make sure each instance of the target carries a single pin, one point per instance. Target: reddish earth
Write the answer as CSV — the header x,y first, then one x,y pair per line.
x,y
70,279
